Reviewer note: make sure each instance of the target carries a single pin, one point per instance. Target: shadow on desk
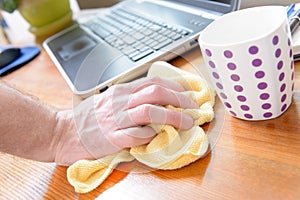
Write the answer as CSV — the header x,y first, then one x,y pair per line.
x,y
195,170
59,187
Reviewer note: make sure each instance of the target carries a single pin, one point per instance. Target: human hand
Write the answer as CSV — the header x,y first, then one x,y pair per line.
x,y
105,123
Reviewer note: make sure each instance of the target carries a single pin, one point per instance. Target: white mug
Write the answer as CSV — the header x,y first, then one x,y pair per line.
x,y
249,57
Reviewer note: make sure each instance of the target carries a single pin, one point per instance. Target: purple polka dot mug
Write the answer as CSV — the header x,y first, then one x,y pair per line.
x,y
249,57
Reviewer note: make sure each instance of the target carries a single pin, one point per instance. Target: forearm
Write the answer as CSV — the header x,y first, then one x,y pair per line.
x,y
36,131
27,126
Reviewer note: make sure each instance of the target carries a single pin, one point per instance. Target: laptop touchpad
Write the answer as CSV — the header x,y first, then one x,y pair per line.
x,y
102,64
75,47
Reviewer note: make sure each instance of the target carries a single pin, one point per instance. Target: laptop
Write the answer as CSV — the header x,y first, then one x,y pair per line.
x,y
118,44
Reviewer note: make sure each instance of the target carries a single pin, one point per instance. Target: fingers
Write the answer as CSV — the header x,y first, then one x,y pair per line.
x,y
146,82
152,114
131,137
159,95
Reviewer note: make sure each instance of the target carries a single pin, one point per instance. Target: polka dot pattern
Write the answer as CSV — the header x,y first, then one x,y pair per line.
x,y
238,88
283,107
208,52
262,85
281,76
228,105
268,114
216,75
282,88
280,65
219,85
259,74
266,106
277,53
212,64
275,40
241,98
235,77
236,98
223,96
231,66
257,62
253,50
245,107
233,113
248,116
228,54
264,96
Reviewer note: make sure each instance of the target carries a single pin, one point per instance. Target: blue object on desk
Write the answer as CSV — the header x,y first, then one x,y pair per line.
x,y
26,55
290,9
295,21
8,55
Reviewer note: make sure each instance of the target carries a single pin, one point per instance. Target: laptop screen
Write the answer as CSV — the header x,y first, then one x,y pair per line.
x,y
223,6
102,51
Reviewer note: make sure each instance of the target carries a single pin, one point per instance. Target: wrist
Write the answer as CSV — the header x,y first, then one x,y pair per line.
x,y
63,129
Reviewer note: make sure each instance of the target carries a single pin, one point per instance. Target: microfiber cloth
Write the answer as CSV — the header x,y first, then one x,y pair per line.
x,y
170,149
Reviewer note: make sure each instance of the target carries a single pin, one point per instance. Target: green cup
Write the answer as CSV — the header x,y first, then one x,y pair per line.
x,y
46,17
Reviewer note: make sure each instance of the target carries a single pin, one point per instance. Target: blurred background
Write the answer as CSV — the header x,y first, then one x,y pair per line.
x,y
13,23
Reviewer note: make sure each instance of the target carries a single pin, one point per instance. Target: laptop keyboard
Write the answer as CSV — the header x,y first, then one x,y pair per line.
x,y
133,35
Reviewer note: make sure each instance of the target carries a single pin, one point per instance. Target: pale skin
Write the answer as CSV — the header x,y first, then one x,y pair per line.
x,y
101,125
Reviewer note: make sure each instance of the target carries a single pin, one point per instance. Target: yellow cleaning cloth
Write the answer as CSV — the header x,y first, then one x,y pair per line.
x,y
170,149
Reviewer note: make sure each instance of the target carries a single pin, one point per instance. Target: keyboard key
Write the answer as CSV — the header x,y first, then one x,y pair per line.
x,y
138,45
151,43
118,43
174,36
144,48
133,54
167,32
128,50
159,38
154,27
108,27
184,32
162,44
135,36
142,55
154,35
111,38
138,28
146,31
98,30
145,40
142,21
115,23
162,39
128,39
138,35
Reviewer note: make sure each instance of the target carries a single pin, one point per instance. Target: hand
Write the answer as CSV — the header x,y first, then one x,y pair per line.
x,y
105,123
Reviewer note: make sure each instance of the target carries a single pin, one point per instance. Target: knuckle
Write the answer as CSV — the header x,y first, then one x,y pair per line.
x,y
156,91
174,116
144,112
145,109
117,140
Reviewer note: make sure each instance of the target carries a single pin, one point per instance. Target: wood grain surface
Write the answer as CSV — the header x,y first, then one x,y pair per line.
x,y
248,160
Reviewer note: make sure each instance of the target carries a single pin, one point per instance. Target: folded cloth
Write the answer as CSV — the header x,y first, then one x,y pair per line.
x,y
170,149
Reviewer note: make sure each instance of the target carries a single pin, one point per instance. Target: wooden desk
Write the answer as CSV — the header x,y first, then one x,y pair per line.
x,y
249,160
